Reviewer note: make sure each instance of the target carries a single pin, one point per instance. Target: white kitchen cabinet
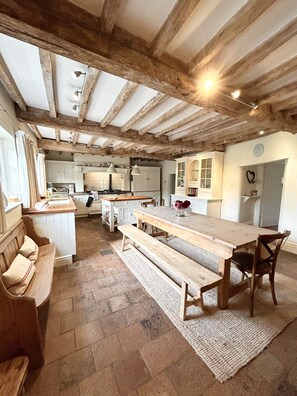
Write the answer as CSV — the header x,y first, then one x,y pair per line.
x,y
148,180
60,172
205,206
181,175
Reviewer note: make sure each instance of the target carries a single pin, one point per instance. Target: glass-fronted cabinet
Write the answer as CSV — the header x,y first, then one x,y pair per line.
x,y
206,173
181,173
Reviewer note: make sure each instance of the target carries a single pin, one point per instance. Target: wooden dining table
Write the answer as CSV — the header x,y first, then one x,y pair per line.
x,y
217,236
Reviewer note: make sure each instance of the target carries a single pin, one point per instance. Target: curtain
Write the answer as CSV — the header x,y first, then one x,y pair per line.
x,y
27,169
3,227
41,178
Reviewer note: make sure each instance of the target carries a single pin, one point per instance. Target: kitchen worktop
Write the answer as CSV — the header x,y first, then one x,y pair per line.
x,y
43,207
126,198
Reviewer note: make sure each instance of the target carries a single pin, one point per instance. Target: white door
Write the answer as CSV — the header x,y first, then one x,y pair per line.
x,y
152,179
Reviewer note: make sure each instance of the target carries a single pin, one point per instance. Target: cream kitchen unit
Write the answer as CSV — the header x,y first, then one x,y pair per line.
x,y
205,206
200,175
120,210
60,171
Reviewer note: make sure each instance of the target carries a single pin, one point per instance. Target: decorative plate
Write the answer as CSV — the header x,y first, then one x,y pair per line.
x,y
5,201
258,150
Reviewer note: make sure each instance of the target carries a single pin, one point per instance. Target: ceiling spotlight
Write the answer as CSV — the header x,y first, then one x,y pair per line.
x,y
236,94
77,73
76,94
208,84
261,132
254,106
75,108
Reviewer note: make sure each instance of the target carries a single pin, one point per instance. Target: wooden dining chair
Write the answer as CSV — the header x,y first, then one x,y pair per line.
x,y
254,266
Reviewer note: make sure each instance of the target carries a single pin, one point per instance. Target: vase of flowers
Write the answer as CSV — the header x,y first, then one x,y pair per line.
x,y
181,207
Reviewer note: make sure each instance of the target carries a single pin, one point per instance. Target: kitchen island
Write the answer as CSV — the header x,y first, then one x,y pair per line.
x,y
120,210
55,220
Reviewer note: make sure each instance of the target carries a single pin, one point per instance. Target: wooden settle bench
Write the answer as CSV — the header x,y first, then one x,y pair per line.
x,y
187,270
13,374
20,325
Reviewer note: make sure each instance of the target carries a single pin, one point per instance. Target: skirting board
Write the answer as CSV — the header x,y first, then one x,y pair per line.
x,y
290,247
64,260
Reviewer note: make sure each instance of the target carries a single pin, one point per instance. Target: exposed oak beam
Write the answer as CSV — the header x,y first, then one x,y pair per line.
x,y
35,131
248,13
262,50
278,94
107,143
75,136
92,141
272,75
57,134
109,15
120,101
149,106
90,81
285,104
212,128
177,17
10,85
164,117
47,72
41,117
81,41
48,144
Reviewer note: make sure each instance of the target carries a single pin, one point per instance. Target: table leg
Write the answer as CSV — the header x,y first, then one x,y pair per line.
x,y
139,224
223,289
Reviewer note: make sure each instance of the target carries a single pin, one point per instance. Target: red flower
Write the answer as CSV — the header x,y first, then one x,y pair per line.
x,y
186,204
182,204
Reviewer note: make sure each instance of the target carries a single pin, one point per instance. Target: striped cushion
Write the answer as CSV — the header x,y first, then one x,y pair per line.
x,y
29,249
18,276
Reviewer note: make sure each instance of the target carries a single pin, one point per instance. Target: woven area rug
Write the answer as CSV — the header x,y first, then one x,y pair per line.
x,y
226,340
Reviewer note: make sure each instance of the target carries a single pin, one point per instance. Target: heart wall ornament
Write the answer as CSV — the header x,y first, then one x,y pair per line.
x,y
251,176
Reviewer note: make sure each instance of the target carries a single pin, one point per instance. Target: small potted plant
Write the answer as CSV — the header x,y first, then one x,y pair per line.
x,y
181,207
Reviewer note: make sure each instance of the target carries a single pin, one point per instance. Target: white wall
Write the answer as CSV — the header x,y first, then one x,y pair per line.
x,y
279,146
168,167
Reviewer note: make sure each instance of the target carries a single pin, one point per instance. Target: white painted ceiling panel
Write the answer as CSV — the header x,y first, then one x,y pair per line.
x,y
65,135
191,110
48,133
281,12
104,94
144,18
82,138
161,109
205,21
139,98
22,59
93,6
66,84
280,83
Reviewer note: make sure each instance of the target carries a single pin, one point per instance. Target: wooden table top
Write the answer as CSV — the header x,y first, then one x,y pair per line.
x,y
52,209
229,233
126,198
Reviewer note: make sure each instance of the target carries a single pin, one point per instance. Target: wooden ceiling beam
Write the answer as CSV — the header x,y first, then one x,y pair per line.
x,y
272,75
285,104
10,85
149,106
292,111
262,51
57,134
247,14
75,137
89,84
213,128
82,41
118,104
48,79
92,141
35,130
193,117
279,93
107,143
164,117
177,17
48,144
41,117
109,15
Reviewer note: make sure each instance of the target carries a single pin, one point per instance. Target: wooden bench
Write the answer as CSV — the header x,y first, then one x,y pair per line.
x,y
13,375
188,271
20,325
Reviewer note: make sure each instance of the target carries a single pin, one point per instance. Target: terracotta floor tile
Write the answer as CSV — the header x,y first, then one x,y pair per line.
x,y
101,383
118,302
132,337
53,328
106,281
120,288
71,391
70,292
251,382
83,301
87,334
88,287
159,385
103,294
157,355
72,320
55,297
123,276
137,312
107,351
156,325
43,381
61,308
60,284
94,275
112,323
97,310
67,273
218,389
130,373
270,367
178,345
76,367
59,346
137,295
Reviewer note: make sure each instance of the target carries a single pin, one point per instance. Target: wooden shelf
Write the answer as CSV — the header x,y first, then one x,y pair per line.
x,y
247,197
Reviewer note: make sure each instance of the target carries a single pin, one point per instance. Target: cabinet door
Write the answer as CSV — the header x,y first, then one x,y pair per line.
x,y
54,174
68,173
139,182
181,168
152,179
206,173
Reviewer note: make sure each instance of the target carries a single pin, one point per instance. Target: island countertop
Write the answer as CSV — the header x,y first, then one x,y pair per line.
x,y
126,198
43,207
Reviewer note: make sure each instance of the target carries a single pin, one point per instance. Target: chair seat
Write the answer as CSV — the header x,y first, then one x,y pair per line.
x,y
244,262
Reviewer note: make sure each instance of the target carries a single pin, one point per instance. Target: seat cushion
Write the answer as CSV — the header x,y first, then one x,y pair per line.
x,y
18,277
29,249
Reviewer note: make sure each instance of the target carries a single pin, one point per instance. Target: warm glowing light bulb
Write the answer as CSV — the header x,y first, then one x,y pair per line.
x,y
208,84
235,94
261,132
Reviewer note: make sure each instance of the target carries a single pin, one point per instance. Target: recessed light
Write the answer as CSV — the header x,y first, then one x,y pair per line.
x,y
236,94
261,132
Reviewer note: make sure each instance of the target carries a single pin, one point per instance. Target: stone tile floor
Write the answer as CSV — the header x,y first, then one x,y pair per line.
x,y
106,336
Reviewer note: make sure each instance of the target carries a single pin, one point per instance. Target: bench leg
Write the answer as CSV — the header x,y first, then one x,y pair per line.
x,y
183,300
123,242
